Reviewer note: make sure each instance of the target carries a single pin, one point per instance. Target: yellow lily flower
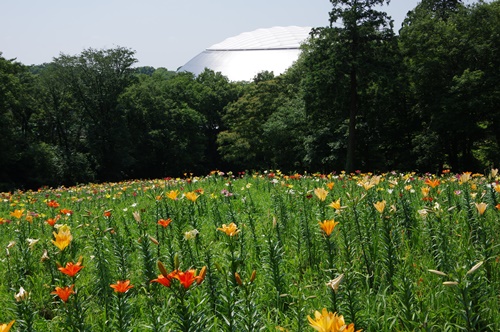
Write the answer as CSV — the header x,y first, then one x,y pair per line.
x,y
192,196
321,193
335,205
465,177
326,321
380,206
63,237
481,207
173,194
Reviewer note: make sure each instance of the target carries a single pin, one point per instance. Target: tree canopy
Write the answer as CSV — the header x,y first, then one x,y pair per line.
x,y
360,96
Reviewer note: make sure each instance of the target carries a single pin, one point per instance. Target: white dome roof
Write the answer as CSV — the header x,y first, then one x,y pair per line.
x,y
242,57
273,38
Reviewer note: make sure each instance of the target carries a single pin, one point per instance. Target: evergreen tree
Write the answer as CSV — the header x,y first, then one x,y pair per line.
x,y
345,60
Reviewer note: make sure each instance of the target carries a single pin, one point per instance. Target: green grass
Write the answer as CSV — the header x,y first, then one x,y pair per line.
x,y
384,256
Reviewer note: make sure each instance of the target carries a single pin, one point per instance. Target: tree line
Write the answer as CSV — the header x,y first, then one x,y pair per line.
x,y
360,96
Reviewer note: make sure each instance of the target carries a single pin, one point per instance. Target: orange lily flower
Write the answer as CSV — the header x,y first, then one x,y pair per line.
x,y
432,183
29,218
164,222
66,211
121,286
64,293
53,221
328,226
230,230
17,214
6,327
71,269
165,281
187,278
53,204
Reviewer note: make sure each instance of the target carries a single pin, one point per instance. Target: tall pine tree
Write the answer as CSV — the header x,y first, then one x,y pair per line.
x,y
345,60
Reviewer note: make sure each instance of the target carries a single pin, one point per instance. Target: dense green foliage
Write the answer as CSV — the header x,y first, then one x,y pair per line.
x,y
359,97
389,252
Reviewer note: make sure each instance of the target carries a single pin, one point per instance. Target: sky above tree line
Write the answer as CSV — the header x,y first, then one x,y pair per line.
x,y
164,33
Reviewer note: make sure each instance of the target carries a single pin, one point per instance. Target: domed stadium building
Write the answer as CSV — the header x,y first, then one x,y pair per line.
x,y
241,57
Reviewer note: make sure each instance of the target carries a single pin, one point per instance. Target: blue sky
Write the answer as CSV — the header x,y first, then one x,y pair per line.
x,y
164,33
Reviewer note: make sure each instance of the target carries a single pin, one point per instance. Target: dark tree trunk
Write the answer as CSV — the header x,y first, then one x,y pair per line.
x,y
353,111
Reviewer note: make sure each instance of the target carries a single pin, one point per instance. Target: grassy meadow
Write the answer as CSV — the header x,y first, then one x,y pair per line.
x,y
254,252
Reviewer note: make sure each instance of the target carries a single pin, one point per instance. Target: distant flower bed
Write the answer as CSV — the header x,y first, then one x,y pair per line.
x,y
250,252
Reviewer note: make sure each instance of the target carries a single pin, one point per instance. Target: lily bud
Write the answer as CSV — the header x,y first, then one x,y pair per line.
x,y
162,269
238,278
45,256
137,216
176,262
252,277
334,284
475,267
155,241
201,276
22,295
438,272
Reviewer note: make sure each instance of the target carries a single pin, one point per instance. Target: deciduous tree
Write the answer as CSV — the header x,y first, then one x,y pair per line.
x,y
96,79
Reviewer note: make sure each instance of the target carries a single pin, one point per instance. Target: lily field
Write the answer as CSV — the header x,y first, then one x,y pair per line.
x,y
254,252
